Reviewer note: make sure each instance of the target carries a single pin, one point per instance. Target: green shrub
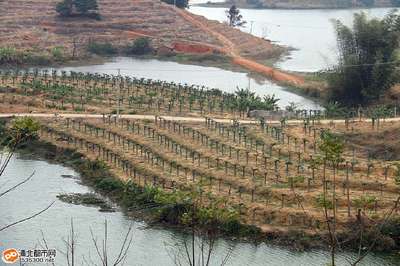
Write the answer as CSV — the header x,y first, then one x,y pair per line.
x,y
365,202
72,8
105,48
64,8
179,3
321,202
58,53
140,46
86,6
38,59
109,184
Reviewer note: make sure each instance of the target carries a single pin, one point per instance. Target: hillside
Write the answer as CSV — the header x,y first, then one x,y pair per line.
x,y
306,4
34,25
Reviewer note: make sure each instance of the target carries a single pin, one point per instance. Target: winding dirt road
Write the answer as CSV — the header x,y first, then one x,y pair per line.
x,y
230,50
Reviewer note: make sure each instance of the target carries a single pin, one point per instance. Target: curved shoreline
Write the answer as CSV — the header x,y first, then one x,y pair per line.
x,y
230,50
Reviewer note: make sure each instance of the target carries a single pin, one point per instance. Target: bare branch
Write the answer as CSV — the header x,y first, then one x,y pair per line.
x,y
125,247
6,162
27,218
45,243
96,246
17,185
385,220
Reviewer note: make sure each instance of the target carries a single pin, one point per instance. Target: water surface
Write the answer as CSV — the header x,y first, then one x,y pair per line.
x,y
310,32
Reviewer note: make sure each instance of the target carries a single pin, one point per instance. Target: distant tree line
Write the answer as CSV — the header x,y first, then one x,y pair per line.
x,y
368,59
178,3
69,8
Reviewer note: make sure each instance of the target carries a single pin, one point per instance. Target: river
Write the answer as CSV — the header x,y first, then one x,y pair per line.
x,y
150,247
309,32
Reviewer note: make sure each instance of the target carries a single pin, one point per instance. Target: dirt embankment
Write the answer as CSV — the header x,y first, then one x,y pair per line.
x,y
34,26
236,52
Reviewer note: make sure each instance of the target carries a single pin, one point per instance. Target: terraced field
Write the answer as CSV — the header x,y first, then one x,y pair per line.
x,y
95,93
274,175
267,173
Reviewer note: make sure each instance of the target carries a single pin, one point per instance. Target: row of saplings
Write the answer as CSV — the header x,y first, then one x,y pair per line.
x,y
176,210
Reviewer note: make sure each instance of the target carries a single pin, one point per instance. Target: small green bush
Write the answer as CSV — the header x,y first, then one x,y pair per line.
x,y
179,3
64,8
105,48
140,46
109,184
365,202
58,53
321,202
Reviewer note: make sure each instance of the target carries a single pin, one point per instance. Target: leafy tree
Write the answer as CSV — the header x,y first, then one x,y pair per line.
x,y
101,48
178,3
86,6
332,147
82,7
367,59
333,109
234,17
292,107
270,103
23,129
246,100
140,46
64,8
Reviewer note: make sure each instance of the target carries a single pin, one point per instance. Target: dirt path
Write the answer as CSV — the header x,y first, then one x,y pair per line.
x,y
229,49
176,118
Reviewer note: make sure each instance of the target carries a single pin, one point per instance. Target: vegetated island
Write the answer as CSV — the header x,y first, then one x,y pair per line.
x,y
303,4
